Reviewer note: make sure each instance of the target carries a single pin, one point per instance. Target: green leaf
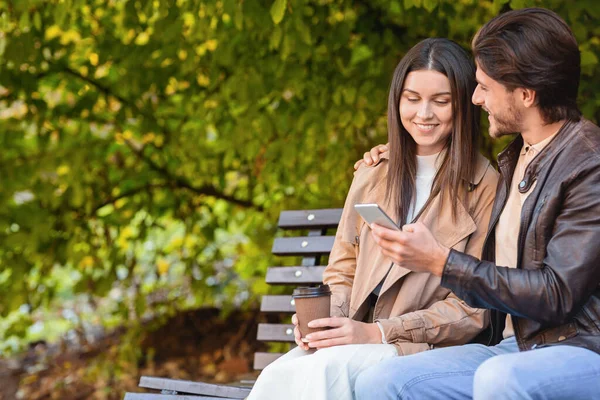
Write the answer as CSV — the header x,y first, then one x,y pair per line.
x,y
588,58
430,5
275,38
518,4
24,21
37,20
303,30
278,10
360,53
395,7
238,18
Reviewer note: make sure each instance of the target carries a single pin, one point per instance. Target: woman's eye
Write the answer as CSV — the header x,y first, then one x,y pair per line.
x,y
442,102
413,99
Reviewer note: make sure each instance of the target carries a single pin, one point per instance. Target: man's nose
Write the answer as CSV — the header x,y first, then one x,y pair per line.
x,y
477,97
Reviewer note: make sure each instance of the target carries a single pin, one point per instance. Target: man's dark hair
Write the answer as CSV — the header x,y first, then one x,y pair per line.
x,y
533,48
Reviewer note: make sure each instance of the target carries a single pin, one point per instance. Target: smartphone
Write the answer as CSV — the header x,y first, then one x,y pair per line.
x,y
373,214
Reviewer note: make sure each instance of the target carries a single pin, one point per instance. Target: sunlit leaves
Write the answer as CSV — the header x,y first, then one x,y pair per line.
x,y
149,146
278,10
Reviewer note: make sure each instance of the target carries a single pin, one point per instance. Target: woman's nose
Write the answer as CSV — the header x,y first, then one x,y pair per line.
x,y
424,111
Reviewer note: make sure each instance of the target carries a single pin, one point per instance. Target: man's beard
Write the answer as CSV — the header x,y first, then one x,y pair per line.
x,y
506,123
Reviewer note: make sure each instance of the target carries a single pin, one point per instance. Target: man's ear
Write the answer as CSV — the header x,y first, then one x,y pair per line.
x,y
528,97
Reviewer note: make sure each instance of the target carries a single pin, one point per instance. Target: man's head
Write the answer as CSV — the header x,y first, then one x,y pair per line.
x,y
527,61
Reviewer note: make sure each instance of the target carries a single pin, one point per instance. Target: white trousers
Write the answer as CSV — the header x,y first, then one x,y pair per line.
x,y
318,375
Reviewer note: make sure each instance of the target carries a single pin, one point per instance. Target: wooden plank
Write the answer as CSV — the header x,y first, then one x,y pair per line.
x,y
295,275
302,245
313,260
155,396
275,332
310,219
261,360
182,386
277,304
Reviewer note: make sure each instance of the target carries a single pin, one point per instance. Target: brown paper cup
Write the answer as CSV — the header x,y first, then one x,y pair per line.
x,y
312,306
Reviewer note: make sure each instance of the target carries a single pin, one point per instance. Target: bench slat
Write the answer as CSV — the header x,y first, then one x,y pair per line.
x,y
182,386
155,396
277,304
275,332
310,219
261,360
303,245
295,275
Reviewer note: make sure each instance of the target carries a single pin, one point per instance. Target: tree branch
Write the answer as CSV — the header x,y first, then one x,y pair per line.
x,y
207,190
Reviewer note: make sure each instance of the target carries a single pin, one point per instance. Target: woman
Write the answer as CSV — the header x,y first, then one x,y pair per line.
x,y
432,174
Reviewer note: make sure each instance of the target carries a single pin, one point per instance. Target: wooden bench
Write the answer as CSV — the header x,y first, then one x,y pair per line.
x,y
312,247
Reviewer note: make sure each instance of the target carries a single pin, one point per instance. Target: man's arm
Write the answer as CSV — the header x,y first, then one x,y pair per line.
x,y
570,272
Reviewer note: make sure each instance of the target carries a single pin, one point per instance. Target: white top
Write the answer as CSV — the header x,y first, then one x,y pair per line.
x,y
427,167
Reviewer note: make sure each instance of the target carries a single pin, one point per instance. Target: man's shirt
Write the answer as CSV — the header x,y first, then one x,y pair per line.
x,y
507,229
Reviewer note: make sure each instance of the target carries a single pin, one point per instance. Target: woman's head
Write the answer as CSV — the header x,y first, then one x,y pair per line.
x,y
425,110
429,109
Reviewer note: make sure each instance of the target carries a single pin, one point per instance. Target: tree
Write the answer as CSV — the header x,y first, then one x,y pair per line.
x,y
148,146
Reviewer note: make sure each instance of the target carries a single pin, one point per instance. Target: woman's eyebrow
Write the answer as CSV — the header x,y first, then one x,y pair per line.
x,y
435,94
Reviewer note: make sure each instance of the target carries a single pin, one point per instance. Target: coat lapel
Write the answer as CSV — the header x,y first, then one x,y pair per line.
x,y
446,231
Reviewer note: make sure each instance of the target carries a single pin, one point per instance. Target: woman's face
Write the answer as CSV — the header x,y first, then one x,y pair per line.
x,y
426,110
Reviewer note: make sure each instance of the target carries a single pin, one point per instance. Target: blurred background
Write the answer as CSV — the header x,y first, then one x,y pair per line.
x,y
147,148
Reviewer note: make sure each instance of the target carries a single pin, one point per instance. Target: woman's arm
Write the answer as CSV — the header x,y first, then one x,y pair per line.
x,y
340,271
450,322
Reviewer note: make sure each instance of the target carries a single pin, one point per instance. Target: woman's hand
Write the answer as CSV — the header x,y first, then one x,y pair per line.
x,y
297,335
343,331
371,157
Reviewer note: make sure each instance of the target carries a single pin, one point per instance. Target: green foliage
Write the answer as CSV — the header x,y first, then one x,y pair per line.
x,y
278,10
148,146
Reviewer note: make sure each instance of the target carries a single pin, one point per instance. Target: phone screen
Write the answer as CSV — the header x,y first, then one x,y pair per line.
x,y
373,214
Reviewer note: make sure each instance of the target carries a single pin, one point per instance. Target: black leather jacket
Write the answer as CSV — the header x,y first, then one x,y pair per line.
x,y
553,295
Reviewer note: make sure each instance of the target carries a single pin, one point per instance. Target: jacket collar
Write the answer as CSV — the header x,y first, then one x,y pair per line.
x,y
437,219
507,159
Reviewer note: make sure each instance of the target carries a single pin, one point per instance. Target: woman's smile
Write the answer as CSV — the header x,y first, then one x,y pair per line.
x,y
425,127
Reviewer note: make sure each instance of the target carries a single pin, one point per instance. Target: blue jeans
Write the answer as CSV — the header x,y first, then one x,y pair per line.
x,y
481,372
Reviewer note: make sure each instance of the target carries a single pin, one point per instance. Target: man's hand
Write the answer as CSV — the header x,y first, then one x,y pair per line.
x,y
343,331
371,157
297,335
414,248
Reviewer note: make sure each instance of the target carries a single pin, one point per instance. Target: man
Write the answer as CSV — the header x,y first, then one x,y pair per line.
x,y
540,268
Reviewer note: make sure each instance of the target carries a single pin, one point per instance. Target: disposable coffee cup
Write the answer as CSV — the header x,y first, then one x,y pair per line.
x,y
311,303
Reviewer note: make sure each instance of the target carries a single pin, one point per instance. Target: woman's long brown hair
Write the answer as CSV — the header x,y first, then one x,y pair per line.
x,y
458,165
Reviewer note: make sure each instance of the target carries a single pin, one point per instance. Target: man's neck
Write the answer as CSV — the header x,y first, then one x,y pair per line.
x,y
537,131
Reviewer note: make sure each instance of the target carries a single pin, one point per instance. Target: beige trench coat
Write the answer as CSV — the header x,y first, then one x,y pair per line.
x,y
416,313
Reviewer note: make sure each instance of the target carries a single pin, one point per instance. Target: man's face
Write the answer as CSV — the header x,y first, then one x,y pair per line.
x,y
505,115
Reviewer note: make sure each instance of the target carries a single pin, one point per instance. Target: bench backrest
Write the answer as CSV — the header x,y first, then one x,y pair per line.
x,y
312,248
